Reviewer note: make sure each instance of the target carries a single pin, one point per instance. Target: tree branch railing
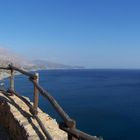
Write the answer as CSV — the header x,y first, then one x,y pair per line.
x,y
69,125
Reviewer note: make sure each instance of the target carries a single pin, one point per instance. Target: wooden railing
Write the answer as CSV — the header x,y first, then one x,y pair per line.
x,y
68,124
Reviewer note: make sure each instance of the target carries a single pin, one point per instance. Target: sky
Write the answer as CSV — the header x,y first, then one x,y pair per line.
x,y
90,33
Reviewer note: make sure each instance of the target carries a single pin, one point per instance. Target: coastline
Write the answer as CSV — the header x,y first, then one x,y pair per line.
x,y
4,75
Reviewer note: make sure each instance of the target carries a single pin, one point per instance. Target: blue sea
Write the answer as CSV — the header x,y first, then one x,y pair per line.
x,y
103,102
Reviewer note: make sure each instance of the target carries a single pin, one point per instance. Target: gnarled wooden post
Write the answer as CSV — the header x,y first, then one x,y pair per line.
x,y
36,95
70,137
12,82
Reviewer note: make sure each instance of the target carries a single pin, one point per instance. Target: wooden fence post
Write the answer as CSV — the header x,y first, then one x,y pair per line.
x,y
36,95
70,137
12,82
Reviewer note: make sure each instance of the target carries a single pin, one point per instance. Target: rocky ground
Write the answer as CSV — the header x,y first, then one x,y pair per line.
x,y
16,116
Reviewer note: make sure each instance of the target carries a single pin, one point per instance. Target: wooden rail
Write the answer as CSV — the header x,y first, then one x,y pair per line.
x,y
69,125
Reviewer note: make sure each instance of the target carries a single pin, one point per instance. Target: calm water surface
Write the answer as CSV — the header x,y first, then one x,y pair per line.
x,y
104,102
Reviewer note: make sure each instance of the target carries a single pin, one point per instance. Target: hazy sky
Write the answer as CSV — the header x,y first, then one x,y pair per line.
x,y
92,33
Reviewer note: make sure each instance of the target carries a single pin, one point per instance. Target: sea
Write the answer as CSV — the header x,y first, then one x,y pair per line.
x,y
104,102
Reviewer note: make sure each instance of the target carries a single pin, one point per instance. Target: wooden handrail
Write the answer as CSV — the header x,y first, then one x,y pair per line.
x,y
58,108
69,124
77,133
5,68
33,76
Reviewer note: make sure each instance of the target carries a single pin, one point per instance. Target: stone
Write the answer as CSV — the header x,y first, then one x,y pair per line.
x,y
16,117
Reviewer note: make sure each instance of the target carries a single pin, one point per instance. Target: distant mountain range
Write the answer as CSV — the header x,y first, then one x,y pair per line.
x,y
7,57
44,64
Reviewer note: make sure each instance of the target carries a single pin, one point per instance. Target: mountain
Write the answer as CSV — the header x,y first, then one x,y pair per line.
x,y
7,57
44,64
